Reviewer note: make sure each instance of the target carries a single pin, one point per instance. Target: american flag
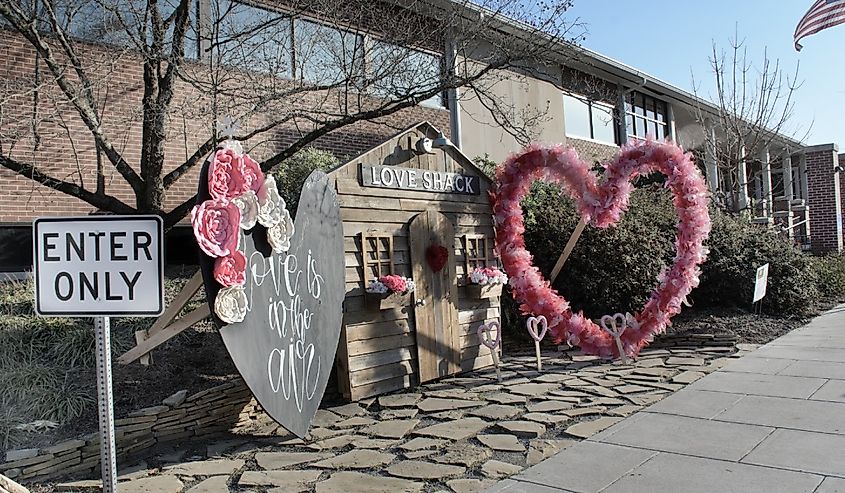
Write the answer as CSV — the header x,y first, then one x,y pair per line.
x,y
822,15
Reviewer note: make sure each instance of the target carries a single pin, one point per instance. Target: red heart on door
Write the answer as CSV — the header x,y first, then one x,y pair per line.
x,y
436,256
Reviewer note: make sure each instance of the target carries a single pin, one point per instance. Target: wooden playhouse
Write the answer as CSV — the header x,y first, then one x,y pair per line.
x,y
398,201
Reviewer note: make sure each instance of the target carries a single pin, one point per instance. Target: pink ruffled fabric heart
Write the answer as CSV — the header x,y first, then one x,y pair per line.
x,y
601,204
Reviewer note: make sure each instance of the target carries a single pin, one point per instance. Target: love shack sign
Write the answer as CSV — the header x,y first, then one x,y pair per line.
x,y
98,265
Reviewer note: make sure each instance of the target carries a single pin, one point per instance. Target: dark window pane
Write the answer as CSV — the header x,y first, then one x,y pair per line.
x,y
650,107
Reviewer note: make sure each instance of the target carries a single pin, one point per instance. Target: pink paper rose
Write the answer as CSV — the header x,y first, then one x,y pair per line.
x,y
394,283
251,174
216,225
230,270
225,180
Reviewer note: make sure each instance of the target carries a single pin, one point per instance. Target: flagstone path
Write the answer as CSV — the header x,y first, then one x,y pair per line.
x,y
457,435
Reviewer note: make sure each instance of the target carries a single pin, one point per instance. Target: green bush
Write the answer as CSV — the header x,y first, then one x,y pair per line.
x,y
737,249
609,270
291,175
830,272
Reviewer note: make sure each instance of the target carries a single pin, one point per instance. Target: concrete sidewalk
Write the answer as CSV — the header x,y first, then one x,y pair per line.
x,y
773,420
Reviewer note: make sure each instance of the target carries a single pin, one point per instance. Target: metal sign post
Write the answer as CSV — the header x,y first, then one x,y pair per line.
x,y
100,266
105,400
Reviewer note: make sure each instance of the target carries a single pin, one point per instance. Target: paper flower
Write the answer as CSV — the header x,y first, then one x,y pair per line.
x,y
230,270
270,203
392,283
216,226
251,174
225,180
230,306
488,275
247,203
377,287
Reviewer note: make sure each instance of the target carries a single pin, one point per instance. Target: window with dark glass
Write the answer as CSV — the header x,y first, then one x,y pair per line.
x,y
646,116
588,119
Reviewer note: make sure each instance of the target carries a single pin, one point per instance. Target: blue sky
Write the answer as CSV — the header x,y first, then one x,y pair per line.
x,y
672,39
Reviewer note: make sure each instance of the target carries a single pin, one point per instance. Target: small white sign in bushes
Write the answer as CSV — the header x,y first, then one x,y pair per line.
x,y
760,282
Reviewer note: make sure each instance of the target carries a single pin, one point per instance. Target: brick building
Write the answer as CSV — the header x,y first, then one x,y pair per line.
x,y
586,100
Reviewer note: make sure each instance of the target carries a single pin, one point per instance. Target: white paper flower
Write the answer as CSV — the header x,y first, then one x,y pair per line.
x,y
247,202
270,203
410,285
231,304
279,236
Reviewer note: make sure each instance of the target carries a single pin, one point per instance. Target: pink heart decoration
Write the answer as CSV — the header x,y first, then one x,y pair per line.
x,y
601,203
532,323
484,334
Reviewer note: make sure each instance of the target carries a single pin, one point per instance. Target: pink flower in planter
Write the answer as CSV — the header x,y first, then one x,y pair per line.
x,y
394,283
230,270
251,174
225,180
216,225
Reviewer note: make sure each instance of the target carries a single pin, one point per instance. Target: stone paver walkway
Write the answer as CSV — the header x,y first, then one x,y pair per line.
x,y
458,435
771,421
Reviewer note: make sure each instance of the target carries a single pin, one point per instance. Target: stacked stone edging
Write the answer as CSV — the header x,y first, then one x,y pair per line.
x,y
210,411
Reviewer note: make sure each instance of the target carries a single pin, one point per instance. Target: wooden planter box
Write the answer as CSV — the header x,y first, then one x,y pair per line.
x,y
479,292
378,301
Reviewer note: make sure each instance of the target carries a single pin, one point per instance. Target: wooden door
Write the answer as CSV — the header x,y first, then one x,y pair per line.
x,y
435,296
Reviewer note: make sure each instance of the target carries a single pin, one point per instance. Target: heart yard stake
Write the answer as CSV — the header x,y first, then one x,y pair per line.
x,y
532,323
493,344
615,325
601,203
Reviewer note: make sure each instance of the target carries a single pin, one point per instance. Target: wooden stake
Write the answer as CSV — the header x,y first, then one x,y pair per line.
x,y
567,250
539,359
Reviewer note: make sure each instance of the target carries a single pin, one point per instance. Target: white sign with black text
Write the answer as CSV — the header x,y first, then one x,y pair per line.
x,y
98,265
761,282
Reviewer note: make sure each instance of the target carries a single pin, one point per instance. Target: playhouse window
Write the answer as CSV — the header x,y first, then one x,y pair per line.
x,y
475,252
378,256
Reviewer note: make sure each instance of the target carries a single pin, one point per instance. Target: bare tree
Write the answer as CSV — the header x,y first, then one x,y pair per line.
x,y
288,72
755,104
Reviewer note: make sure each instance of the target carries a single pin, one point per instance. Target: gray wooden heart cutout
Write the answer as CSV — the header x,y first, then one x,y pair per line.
x,y
285,347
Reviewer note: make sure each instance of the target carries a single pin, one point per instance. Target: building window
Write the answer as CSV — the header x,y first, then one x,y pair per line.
x,y
397,71
325,55
588,119
646,116
116,23
255,38
377,255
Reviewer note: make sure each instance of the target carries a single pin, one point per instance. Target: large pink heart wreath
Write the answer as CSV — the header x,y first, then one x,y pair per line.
x,y
601,203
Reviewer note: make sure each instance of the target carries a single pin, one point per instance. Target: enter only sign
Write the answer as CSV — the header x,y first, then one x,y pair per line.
x,y
98,265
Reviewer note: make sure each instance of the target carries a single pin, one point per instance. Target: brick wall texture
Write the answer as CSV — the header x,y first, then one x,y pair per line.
x,y
58,142
825,200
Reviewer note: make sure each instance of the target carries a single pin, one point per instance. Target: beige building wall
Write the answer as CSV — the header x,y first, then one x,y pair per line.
x,y
522,97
